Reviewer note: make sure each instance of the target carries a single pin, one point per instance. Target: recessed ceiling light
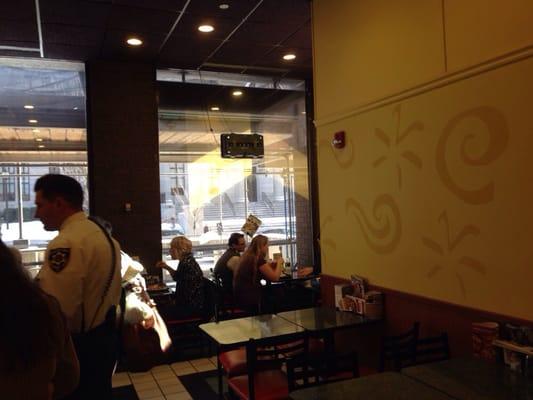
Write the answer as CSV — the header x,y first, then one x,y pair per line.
x,y
289,57
35,130
32,121
38,139
215,109
237,93
75,108
206,28
41,146
223,6
133,41
29,107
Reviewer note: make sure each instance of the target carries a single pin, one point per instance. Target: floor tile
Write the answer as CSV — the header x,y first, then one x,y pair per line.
x,y
171,389
185,371
121,379
162,367
164,374
181,364
145,386
205,367
199,362
179,396
148,394
168,381
141,379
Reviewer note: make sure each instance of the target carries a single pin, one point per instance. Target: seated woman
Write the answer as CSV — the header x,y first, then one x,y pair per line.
x,y
37,359
189,296
252,268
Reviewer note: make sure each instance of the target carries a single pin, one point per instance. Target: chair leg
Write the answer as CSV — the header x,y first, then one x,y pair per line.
x,y
219,373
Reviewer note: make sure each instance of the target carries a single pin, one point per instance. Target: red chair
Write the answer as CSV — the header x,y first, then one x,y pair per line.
x,y
233,361
265,380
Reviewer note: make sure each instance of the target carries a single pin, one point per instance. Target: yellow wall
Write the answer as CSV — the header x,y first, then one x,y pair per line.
x,y
433,194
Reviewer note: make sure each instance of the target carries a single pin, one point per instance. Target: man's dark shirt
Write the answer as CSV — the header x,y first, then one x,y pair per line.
x,y
223,272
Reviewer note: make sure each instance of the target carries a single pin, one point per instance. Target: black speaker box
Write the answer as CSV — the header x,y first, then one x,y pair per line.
x,y
234,145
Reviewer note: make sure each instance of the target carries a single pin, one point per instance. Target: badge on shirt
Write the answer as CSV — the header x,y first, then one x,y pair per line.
x,y
58,258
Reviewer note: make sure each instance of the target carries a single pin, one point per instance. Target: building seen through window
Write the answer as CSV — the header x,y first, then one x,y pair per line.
x,y
42,130
206,197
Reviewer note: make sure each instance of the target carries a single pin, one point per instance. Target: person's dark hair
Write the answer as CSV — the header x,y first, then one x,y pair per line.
x,y
234,239
25,317
56,185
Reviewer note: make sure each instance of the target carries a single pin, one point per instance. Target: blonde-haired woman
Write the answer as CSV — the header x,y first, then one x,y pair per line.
x,y
252,268
189,295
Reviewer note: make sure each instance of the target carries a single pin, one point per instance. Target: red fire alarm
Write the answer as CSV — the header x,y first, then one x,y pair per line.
x,y
339,140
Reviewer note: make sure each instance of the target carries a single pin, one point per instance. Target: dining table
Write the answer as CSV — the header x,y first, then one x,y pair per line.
x,y
323,321
473,379
384,386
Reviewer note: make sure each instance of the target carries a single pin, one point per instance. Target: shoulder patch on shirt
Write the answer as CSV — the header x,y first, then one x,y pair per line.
x,y
58,258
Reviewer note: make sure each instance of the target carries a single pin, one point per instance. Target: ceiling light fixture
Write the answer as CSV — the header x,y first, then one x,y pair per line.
x,y
133,41
223,6
32,121
75,108
206,28
237,93
38,139
215,109
35,130
289,57
41,146
29,107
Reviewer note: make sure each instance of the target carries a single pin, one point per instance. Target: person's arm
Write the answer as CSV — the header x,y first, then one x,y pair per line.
x,y
163,265
272,271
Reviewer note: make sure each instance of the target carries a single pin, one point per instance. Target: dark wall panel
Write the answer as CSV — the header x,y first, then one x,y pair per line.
x,y
123,146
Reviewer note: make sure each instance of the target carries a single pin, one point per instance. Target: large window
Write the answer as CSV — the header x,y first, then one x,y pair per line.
x,y
42,130
206,197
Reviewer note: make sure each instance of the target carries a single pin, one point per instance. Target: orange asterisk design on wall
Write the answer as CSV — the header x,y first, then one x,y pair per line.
x,y
395,152
447,251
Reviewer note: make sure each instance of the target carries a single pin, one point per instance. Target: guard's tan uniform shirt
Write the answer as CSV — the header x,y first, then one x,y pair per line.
x,y
76,270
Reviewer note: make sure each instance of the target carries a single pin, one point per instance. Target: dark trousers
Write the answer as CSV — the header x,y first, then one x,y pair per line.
x,y
97,352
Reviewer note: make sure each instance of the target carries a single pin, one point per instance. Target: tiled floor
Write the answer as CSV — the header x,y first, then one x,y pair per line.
x,y
162,382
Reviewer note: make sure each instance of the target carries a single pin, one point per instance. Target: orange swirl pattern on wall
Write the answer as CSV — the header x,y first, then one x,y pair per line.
x,y
383,233
497,131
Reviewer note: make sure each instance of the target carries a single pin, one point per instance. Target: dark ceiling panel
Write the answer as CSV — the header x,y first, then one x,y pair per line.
x,y
22,31
88,29
188,27
75,12
189,53
293,12
168,5
20,10
301,38
71,35
235,52
139,20
115,46
71,53
275,57
210,8
263,33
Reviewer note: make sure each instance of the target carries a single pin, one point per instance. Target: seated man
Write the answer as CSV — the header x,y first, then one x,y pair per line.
x,y
227,264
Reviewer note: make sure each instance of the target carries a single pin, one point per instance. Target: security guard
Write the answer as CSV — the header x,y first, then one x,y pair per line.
x,y
82,270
